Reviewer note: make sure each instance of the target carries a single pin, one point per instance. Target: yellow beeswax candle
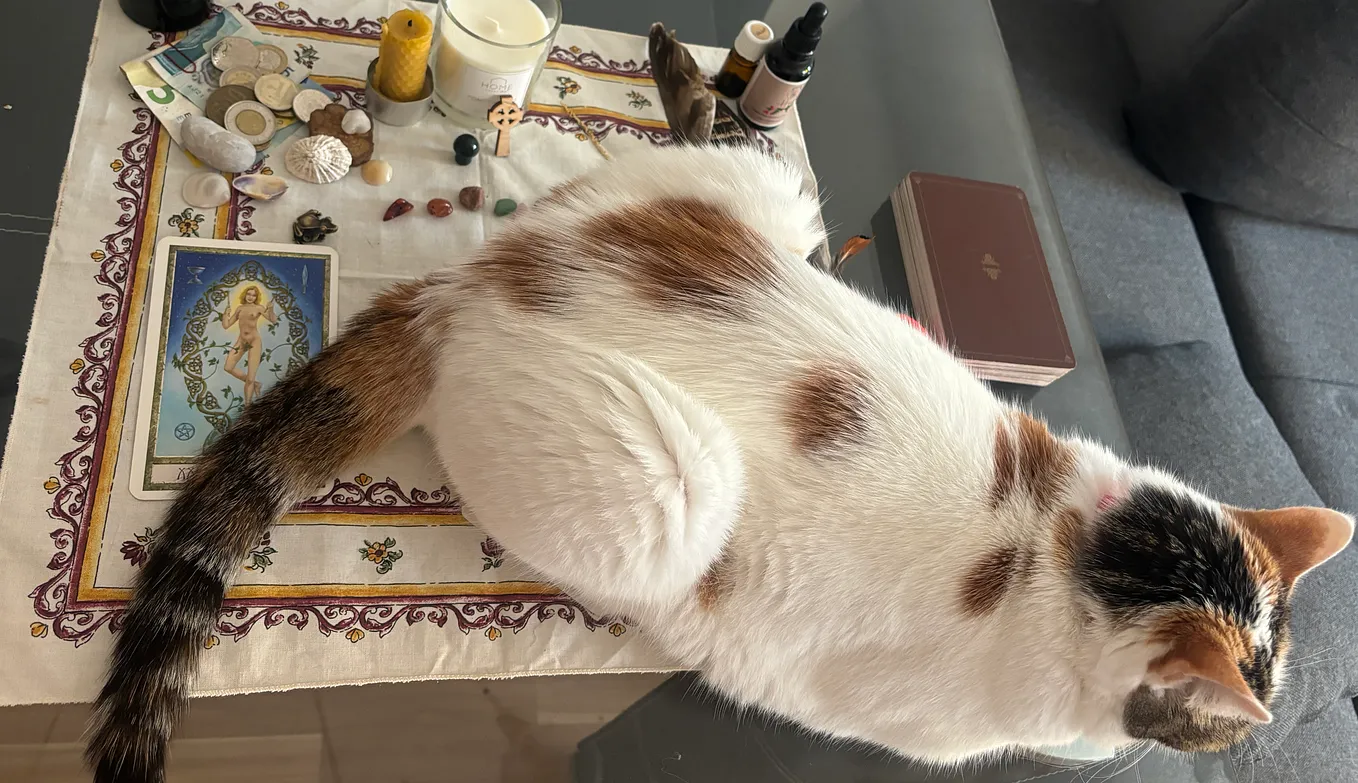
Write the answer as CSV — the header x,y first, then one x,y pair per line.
x,y
404,54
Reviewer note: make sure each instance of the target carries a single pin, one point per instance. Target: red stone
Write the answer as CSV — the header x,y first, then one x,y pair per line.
x,y
440,207
472,198
398,208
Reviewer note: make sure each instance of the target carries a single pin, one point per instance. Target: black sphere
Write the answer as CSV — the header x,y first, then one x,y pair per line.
x,y
465,148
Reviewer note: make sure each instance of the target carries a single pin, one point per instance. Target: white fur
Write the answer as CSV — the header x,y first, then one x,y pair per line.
x,y
617,448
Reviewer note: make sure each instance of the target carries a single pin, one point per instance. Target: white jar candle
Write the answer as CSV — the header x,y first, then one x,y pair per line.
x,y
488,48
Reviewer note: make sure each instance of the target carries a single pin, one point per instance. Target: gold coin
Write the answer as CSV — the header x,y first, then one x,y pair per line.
x,y
224,98
252,120
271,58
275,91
246,77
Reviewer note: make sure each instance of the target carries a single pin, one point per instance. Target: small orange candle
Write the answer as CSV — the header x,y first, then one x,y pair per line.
x,y
404,55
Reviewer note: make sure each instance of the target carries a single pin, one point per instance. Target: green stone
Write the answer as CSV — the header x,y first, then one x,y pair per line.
x,y
505,206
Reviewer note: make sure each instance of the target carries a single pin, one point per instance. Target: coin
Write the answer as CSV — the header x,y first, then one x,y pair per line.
x,y
235,52
308,101
224,98
252,120
242,76
212,75
275,91
271,58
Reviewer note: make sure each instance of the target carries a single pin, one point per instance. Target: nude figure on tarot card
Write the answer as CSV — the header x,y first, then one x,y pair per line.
x,y
249,344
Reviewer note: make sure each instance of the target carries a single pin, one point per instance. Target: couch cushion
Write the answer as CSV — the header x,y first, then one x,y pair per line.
x,y
1165,36
1322,749
1320,422
1142,272
1288,292
1264,115
1189,408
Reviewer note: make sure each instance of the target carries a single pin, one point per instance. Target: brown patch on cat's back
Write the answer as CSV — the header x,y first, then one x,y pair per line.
x,y
526,267
990,578
717,581
563,193
1045,464
1005,461
683,254
827,407
1067,531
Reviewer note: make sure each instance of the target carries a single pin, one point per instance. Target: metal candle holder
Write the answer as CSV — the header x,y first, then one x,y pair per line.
x,y
399,113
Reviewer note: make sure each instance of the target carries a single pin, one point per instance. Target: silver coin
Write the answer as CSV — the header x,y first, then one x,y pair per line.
x,y
245,77
275,91
308,101
271,59
252,120
235,52
212,75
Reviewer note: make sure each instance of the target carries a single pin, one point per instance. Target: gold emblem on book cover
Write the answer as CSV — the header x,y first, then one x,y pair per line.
x,y
991,267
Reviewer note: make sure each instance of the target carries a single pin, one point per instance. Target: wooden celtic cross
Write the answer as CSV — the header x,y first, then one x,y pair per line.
x,y
504,115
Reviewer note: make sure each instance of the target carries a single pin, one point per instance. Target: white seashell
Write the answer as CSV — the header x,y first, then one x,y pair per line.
x,y
319,159
356,122
206,190
261,187
216,146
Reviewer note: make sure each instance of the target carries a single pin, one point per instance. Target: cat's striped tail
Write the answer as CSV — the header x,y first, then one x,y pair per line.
x,y
357,394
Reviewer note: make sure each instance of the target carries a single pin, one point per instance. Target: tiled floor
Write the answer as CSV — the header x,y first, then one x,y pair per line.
x,y
502,731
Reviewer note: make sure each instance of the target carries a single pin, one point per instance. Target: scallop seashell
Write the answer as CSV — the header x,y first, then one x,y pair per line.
x,y
318,159
206,190
261,187
356,122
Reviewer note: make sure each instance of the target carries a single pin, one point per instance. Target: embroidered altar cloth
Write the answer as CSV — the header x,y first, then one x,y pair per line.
x,y
377,577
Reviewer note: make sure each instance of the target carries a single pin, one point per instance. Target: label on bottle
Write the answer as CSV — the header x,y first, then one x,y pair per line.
x,y
768,98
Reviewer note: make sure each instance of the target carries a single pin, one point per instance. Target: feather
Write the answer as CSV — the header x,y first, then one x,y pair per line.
x,y
689,107
850,249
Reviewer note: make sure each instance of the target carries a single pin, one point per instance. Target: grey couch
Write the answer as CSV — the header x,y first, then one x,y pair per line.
x,y
1229,335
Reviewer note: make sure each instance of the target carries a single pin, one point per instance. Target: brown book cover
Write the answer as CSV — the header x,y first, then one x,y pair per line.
x,y
991,292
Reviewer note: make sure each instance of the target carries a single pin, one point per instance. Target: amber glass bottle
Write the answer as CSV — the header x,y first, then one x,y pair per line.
x,y
735,73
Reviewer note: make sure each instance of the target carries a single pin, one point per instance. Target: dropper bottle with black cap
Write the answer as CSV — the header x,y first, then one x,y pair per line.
x,y
783,71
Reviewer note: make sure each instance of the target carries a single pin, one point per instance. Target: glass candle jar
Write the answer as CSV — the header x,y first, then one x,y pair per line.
x,y
484,49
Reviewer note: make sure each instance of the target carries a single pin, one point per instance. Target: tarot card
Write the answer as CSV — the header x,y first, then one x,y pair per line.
x,y
225,322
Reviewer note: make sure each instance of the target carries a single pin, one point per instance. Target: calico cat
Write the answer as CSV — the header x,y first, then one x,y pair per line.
x,y
644,391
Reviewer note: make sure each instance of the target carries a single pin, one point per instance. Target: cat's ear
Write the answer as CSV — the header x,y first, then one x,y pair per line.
x,y
1200,662
1299,539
